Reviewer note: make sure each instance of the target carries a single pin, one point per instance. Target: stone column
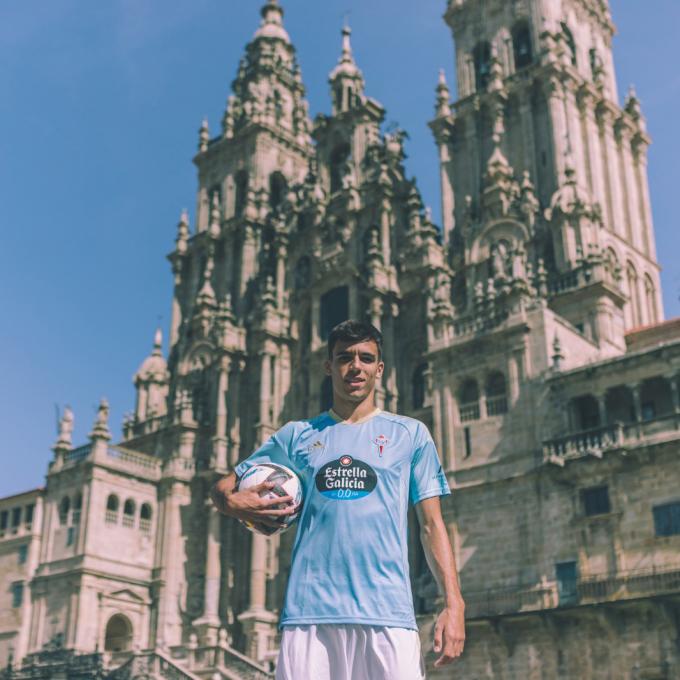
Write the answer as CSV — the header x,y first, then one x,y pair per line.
x,y
674,394
375,312
281,253
601,409
176,315
448,197
169,577
248,259
219,460
449,407
258,623
208,624
235,432
637,407
265,387
390,375
513,380
528,138
315,322
385,230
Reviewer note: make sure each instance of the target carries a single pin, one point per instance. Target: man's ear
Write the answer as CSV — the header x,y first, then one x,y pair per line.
x,y
381,368
327,366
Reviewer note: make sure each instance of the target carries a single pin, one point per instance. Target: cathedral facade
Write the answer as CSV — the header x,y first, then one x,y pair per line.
x,y
526,331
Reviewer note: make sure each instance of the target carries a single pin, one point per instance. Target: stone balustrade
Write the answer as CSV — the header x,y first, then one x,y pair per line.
x,y
593,589
592,442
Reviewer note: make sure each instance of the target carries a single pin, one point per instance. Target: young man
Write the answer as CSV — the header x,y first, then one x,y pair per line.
x,y
348,613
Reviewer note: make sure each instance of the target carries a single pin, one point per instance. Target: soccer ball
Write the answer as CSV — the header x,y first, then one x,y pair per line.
x,y
287,484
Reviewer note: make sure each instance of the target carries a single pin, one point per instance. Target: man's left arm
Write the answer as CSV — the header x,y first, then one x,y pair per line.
x,y
449,630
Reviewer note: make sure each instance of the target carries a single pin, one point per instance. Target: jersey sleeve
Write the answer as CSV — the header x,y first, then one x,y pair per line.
x,y
427,475
275,450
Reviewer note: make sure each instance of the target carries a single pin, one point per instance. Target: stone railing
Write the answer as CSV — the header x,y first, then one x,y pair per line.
x,y
567,281
586,443
141,461
628,585
594,589
656,427
596,441
220,657
151,664
478,323
76,455
150,425
509,601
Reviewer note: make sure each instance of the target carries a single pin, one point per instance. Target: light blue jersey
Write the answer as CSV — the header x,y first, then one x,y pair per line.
x,y
350,559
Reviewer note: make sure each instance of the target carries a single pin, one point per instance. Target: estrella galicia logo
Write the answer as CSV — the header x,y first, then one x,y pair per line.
x,y
346,479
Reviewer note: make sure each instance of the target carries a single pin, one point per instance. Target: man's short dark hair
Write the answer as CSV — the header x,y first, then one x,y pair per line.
x,y
354,331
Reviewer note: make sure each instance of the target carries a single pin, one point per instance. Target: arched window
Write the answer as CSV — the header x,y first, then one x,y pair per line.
x,y
77,508
570,42
326,393
278,188
240,192
338,159
112,505
496,396
619,405
521,44
469,401
145,514
586,412
64,508
656,398
118,634
650,300
481,56
419,386
129,513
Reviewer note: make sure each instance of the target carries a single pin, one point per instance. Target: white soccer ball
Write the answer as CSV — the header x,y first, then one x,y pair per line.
x,y
287,484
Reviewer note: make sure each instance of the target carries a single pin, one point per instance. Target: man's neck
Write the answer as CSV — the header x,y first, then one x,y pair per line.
x,y
352,412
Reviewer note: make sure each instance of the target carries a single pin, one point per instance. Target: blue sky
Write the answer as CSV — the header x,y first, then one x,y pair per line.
x,y
99,115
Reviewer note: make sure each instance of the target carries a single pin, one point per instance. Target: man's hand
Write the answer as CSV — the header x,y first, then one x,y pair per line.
x,y
449,634
248,505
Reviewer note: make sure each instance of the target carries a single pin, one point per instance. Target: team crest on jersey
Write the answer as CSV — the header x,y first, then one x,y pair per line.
x,y
381,441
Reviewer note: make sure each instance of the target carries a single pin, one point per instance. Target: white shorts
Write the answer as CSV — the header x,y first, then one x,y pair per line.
x,y
349,652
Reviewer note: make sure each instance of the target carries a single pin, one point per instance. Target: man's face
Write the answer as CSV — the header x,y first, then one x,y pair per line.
x,y
354,368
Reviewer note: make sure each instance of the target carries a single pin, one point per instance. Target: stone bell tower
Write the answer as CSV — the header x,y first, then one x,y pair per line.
x,y
537,129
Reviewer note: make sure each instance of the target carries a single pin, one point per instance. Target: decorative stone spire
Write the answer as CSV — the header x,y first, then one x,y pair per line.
x,y
182,233
443,107
495,73
206,295
271,26
100,430
203,136
557,355
215,216
529,204
346,79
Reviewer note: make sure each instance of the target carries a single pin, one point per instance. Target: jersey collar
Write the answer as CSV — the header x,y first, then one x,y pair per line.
x,y
368,416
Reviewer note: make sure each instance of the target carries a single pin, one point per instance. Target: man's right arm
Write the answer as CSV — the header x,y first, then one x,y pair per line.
x,y
249,505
